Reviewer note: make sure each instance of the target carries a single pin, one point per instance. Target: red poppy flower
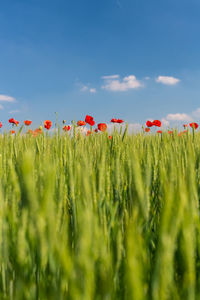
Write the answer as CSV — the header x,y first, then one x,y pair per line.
x,y
30,131
147,129
88,133
117,121
1,125
27,122
194,125
157,123
149,123
170,132
89,120
12,132
114,120
185,125
47,124
159,131
102,126
96,130
81,123
13,121
110,137
38,130
66,128
182,133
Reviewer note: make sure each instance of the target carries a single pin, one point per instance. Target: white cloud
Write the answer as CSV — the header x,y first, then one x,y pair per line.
x,y
1,106
84,88
165,122
7,98
196,113
178,117
168,80
93,90
110,77
115,85
147,78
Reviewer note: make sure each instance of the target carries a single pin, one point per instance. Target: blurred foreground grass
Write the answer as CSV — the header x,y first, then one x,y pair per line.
x,y
94,218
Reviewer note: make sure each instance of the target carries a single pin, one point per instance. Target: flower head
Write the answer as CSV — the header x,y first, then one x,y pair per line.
x,y
114,121
27,122
30,131
89,120
47,124
147,129
66,128
194,125
117,121
120,121
157,123
102,126
81,123
149,123
159,131
37,131
1,125
88,133
14,122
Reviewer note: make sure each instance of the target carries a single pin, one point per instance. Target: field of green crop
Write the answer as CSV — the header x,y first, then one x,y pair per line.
x,y
99,218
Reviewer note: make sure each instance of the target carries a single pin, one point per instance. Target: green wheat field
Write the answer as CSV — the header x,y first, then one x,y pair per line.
x,y
99,218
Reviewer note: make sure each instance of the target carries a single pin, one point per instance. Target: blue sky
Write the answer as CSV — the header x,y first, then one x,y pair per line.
x,y
54,56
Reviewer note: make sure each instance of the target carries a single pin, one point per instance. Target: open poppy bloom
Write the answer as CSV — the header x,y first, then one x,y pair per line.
x,y
12,132
89,120
170,132
1,125
194,125
66,128
117,121
185,125
13,121
157,123
96,130
102,126
159,131
27,122
147,129
47,124
149,123
110,137
81,123
114,121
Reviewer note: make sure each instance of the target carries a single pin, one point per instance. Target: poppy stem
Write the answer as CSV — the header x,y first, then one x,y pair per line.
x,y
193,133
